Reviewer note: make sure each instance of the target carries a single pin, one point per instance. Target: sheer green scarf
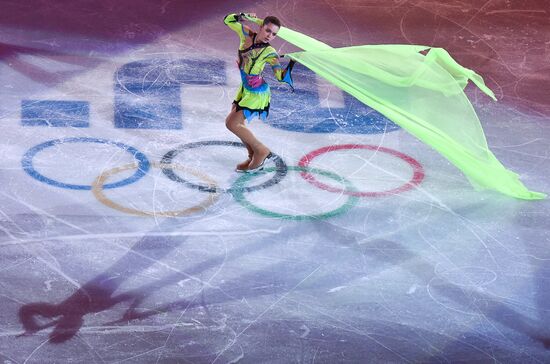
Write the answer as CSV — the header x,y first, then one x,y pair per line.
x,y
421,89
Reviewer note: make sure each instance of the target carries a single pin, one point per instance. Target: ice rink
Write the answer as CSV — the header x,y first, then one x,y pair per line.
x,y
127,236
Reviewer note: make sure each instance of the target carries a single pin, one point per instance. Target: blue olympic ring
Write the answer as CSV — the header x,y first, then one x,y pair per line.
x,y
26,162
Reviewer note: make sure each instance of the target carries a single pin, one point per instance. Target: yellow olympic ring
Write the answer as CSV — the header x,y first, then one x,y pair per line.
x,y
97,190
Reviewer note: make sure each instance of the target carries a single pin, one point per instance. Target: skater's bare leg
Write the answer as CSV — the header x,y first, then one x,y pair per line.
x,y
235,123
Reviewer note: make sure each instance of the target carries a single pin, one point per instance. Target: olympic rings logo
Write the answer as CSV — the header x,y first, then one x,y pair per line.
x,y
239,188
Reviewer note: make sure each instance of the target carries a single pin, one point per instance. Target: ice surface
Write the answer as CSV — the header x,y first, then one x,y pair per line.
x,y
385,253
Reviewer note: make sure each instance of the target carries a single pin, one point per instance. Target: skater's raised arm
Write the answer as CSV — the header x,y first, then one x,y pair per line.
x,y
234,21
252,17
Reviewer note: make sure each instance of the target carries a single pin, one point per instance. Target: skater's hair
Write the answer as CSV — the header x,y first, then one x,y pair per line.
x,y
272,20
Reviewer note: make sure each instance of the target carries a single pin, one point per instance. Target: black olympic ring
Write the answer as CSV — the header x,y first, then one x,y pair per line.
x,y
281,168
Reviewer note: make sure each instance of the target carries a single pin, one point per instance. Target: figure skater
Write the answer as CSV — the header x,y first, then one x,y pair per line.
x,y
253,96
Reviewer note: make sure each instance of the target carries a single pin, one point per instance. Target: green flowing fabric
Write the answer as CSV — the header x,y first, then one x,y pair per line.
x,y
422,90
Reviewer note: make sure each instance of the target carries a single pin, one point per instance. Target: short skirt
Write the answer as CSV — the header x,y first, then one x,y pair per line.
x,y
253,101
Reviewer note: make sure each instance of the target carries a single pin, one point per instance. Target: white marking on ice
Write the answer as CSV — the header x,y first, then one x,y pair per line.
x,y
77,237
48,284
182,282
306,331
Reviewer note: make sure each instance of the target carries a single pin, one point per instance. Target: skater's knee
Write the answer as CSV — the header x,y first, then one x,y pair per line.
x,y
229,124
232,123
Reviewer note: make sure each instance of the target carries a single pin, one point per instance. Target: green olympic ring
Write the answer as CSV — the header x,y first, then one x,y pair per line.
x,y
238,194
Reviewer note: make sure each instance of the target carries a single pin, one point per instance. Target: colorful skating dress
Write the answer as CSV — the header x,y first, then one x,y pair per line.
x,y
254,95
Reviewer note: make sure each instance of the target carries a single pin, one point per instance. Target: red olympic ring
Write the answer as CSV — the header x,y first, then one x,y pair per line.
x,y
418,171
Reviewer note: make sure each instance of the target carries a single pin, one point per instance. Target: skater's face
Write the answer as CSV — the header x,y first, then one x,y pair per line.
x,y
268,32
